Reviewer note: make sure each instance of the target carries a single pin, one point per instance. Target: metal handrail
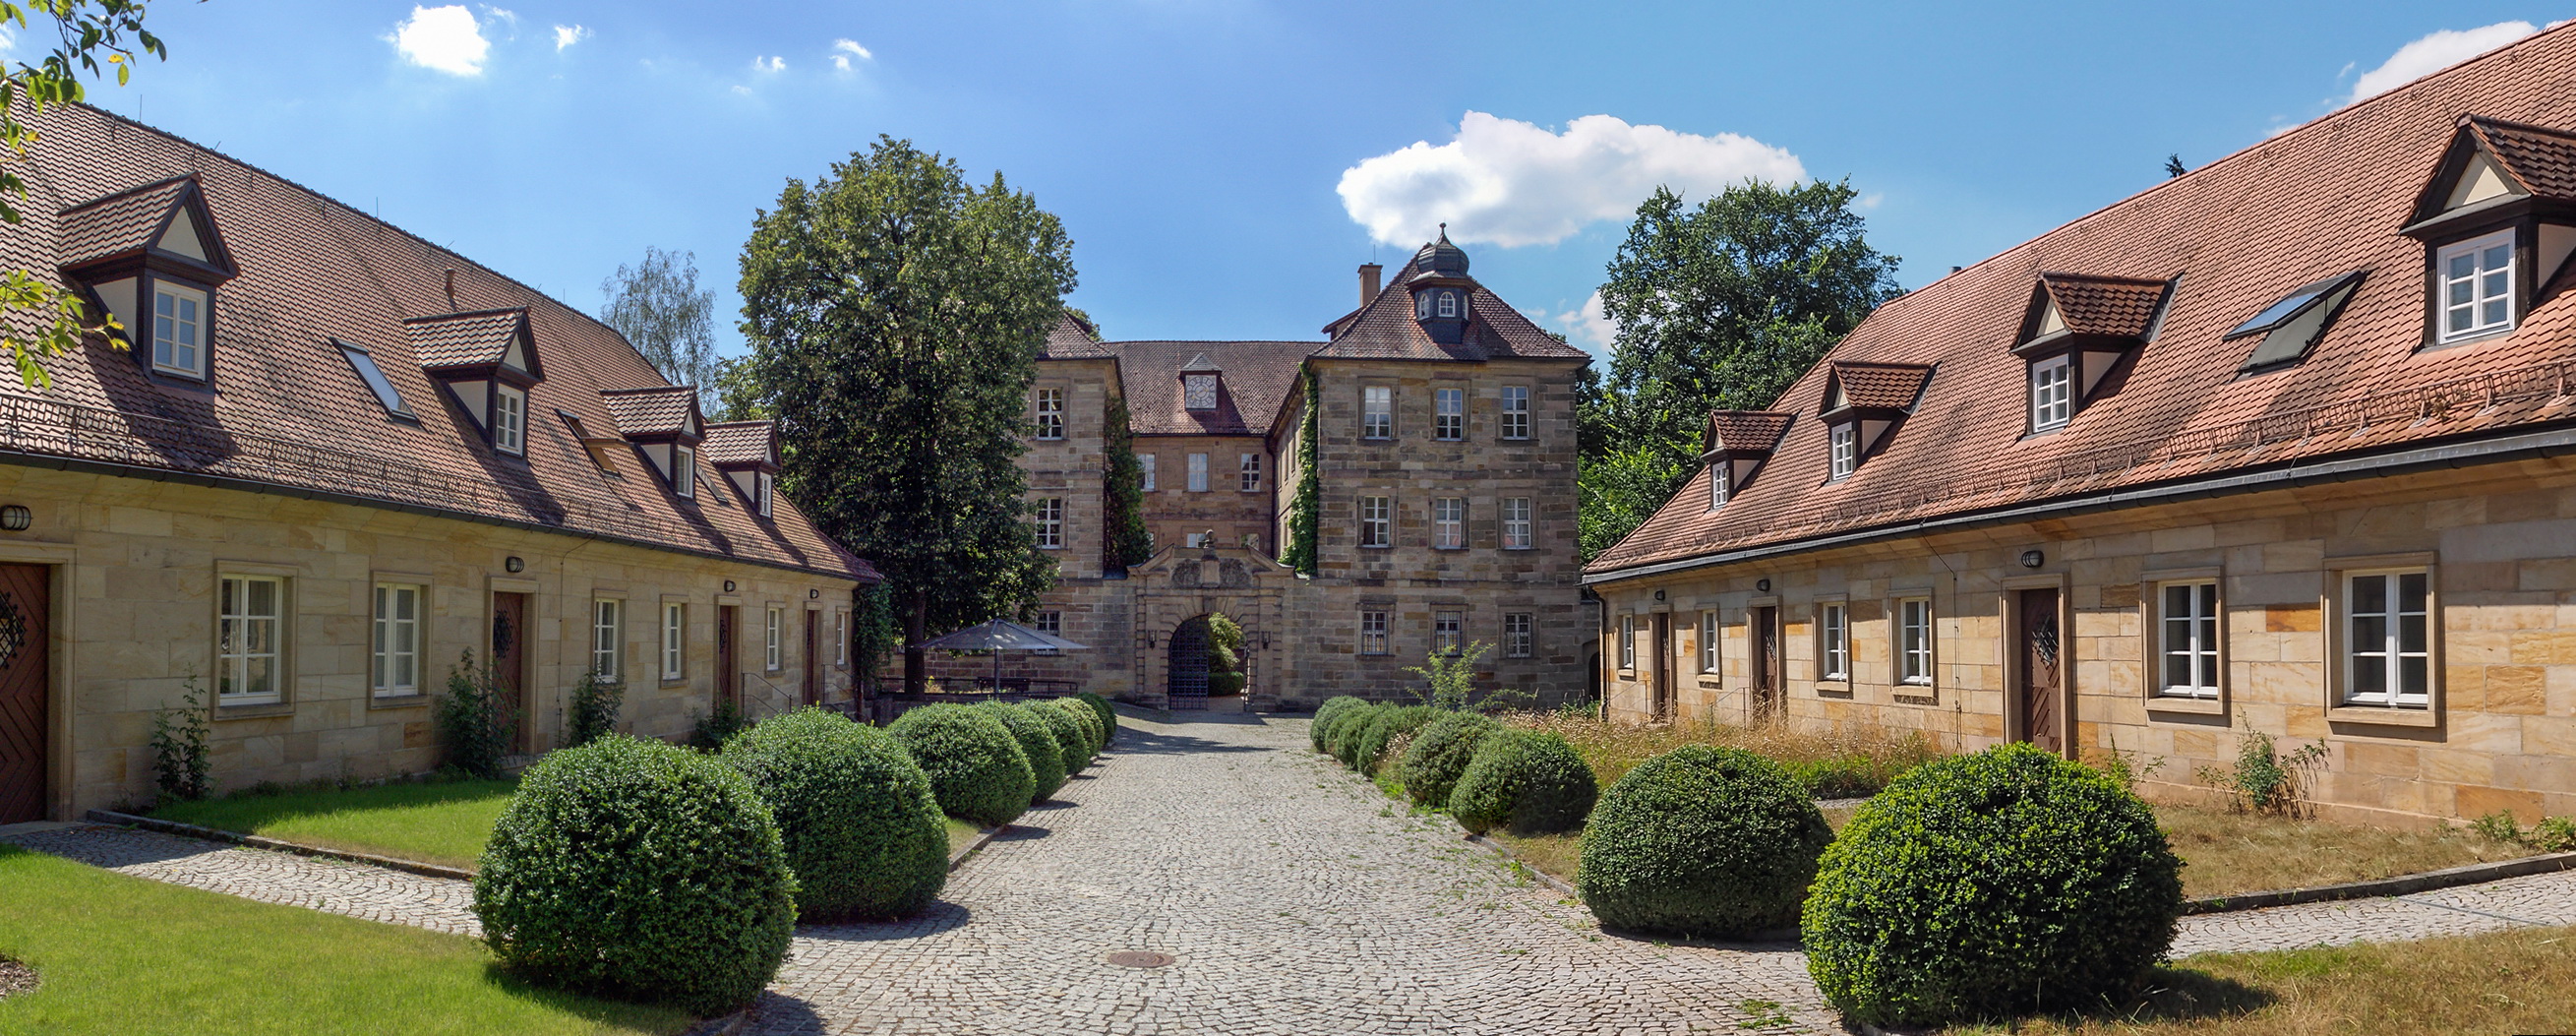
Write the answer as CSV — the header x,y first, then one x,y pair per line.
x,y
777,700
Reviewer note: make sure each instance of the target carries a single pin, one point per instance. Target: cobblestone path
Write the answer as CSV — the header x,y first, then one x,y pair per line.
x,y
2541,899
356,890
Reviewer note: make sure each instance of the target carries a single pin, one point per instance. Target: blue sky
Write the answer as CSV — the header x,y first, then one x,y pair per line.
x,y
1223,165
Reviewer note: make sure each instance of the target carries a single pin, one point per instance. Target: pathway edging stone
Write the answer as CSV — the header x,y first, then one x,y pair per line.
x,y
214,834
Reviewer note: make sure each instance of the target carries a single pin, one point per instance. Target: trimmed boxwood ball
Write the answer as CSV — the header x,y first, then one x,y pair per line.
x,y
1988,885
1037,743
1527,782
1327,714
1073,746
862,830
1348,730
1702,841
639,869
976,765
1390,724
1108,716
1093,738
1439,753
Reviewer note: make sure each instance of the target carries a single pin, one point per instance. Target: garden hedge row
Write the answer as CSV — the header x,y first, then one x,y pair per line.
x,y
861,828
1702,841
1037,745
1527,782
1440,752
976,765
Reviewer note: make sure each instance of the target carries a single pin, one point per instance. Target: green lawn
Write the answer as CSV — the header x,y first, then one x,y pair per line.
x,y
960,832
442,823
128,957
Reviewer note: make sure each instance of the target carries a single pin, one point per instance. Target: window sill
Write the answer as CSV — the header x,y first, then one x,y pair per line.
x,y
413,700
2179,705
258,710
2384,716
1834,688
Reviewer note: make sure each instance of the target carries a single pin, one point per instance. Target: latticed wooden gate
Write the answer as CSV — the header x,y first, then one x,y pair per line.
x,y
23,613
1187,687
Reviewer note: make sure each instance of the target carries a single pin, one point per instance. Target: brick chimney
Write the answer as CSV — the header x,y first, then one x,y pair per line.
x,y
1369,282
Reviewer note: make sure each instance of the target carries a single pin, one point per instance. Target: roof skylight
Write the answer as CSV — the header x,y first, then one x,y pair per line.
x,y
2293,325
2281,312
374,376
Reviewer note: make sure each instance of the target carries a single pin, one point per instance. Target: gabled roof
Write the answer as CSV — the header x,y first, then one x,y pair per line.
x,y
478,339
739,443
1258,378
1384,329
1744,431
2541,159
1874,386
2242,232
660,410
130,222
1071,339
2114,307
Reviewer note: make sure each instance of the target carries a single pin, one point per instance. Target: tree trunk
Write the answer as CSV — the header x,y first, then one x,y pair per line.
x,y
916,663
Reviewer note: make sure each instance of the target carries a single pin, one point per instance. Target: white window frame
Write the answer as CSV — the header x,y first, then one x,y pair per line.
x,y
1449,523
1146,461
1448,632
2389,648
394,651
510,420
2052,393
1627,643
1708,642
1194,540
841,637
1050,523
1373,631
1721,483
2456,294
608,639
1198,477
675,640
1520,631
1914,636
166,330
1833,642
1516,415
764,489
1377,521
1843,444
684,472
1050,414
1449,304
1249,473
2191,638
1377,412
1198,392
774,639
1517,523
1449,414
248,641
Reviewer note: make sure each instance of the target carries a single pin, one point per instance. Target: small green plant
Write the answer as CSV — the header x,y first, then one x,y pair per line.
x,y
592,712
1762,1014
179,763
2499,825
2555,835
2265,781
1225,656
475,720
710,730
2122,768
1452,677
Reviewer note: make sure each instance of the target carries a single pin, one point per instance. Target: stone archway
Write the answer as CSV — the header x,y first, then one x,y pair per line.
x,y
1186,659
1181,587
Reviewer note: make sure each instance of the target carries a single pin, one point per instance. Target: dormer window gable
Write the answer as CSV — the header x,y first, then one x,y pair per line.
x,y
2498,222
488,361
1734,446
665,427
1864,403
2075,330
152,258
747,453
1202,383
1442,292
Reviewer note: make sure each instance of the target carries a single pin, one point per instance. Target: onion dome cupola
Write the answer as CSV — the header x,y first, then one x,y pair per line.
x,y
1440,286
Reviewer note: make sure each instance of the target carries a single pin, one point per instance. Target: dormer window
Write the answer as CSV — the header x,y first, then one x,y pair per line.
x,y
1735,444
2498,223
2476,287
1448,303
1845,453
1718,484
684,472
178,330
152,258
1198,392
1422,306
1864,403
768,488
2052,393
510,420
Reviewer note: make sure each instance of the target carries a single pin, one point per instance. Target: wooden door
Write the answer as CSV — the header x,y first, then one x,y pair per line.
x,y
25,607
813,660
2043,684
1765,662
1663,665
728,665
510,653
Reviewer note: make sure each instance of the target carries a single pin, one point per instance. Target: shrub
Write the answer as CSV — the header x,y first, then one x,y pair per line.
x,y
1073,745
1093,737
2555,835
592,713
1108,716
180,766
1526,782
474,720
709,731
862,830
1348,728
1990,884
1439,753
1702,841
1327,714
1037,743
1390,724
640,869
976,765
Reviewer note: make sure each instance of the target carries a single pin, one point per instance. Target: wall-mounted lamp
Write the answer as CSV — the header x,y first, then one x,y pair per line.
x,y
728,586
1763,585
2033,559
1659,595
16,518
515,563
814,593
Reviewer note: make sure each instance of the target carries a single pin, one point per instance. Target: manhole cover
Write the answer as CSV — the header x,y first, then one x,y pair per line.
x,y
1139,959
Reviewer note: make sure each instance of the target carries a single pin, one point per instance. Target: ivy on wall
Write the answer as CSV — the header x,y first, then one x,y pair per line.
x,y
1129,542
1304,509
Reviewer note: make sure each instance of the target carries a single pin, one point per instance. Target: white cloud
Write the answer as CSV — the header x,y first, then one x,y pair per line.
x,y
844,50
1587,326
567,35
443,38
1513,183
772,64
2433,53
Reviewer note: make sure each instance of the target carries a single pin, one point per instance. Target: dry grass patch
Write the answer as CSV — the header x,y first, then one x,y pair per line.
x,y
1833,765
2232,853
2520,981
1557,855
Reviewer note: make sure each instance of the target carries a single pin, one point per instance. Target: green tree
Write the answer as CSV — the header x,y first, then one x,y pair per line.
x,y
895,313
86,32
1127,541
659,307
1718,306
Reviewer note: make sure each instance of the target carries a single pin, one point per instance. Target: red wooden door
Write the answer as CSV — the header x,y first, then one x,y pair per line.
x,y
2042,674
510,652
813,659
728,669
24,609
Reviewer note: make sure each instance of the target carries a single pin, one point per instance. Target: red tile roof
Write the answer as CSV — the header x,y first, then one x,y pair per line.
x,y
120,224
1878,386
2326,198
1253,383
1744,431
2543,160
658,410
464,339
737,442
1071,339
1384,329
2121,307
288,411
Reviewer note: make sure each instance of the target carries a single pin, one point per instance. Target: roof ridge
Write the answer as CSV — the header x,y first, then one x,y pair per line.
x,y
128,193
462,314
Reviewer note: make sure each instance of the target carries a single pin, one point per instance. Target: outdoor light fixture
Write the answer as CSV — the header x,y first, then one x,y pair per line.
x,y
2033,559
728,586
1763,585
515,564
1659,595
16,518
814,594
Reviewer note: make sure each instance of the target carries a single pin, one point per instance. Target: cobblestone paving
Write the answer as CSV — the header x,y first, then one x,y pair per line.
x,y
356,890
1294,900
2541,899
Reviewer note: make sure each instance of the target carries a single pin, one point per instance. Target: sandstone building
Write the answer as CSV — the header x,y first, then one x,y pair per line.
x,y
2286,445
1443,437
326,460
